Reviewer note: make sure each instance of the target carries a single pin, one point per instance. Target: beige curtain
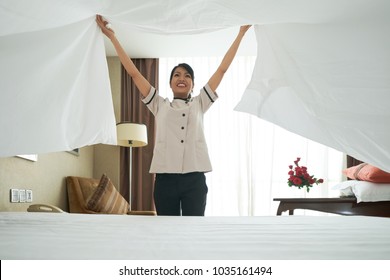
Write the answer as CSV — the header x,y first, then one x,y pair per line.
x,y
133,110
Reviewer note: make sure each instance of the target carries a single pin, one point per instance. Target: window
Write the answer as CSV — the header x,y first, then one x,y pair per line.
x,y
250,156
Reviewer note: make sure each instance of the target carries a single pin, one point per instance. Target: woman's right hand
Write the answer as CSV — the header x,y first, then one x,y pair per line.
x,y
102,24
141,83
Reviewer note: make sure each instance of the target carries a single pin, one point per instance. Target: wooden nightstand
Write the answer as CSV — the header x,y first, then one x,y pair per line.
x,y
339,205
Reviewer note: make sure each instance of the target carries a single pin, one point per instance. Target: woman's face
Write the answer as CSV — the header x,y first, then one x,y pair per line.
x,y
181,83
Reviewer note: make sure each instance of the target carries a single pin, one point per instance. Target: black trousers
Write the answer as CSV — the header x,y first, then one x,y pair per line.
x,y
180,194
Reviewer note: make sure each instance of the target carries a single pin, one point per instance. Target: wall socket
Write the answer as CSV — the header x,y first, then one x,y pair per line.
x,y
21,195
29,196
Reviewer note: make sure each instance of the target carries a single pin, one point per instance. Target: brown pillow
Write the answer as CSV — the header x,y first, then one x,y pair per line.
x,y
367,172
106,199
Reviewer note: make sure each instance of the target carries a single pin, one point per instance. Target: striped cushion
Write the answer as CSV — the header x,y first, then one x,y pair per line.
x,y
106,199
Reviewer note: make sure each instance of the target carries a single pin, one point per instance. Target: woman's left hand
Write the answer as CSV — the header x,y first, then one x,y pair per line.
x,y
105,27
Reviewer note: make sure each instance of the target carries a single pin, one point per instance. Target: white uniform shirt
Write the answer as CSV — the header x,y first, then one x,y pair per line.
x,y
180,142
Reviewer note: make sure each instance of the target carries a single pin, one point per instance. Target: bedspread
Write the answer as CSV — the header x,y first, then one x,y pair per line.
x,y
116,237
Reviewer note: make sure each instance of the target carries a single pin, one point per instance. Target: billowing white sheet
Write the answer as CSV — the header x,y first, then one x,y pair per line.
x,y
329,82
323,68
121,237
55,93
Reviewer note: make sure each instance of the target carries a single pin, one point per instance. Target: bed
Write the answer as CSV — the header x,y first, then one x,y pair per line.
x,y
64,236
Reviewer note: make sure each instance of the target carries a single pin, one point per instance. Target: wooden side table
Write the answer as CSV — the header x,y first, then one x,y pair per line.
x,y
339,205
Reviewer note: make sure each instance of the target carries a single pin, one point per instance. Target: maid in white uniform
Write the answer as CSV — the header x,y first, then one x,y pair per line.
x,y
180,157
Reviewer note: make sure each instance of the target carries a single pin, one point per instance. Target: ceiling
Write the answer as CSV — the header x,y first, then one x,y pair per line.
x,y
140,44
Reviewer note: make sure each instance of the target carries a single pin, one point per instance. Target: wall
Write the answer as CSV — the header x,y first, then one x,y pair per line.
x,y
46,177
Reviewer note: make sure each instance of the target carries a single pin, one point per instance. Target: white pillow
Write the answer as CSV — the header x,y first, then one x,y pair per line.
x,y
345,187
371,192
364,191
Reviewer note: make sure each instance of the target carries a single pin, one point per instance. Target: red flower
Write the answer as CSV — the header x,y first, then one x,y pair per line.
x,y
299,177
297,181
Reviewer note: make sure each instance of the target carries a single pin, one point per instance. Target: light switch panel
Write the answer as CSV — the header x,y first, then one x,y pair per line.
x,y
14,195
22,195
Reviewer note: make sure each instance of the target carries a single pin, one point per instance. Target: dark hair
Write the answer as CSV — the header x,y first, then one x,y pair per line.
x,y
185,66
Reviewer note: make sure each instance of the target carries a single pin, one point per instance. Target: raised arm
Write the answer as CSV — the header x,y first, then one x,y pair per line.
x,y
141,83
216,78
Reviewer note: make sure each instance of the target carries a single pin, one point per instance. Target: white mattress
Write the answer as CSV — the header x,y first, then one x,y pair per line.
x,y
116,237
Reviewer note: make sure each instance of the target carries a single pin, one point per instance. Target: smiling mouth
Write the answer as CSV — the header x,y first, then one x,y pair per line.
x,y
181,85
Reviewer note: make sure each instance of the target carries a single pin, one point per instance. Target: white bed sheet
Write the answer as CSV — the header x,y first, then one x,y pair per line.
x,y
324,63
80,236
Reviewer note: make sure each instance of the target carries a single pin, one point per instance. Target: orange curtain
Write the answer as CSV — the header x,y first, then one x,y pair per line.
x,y
133,110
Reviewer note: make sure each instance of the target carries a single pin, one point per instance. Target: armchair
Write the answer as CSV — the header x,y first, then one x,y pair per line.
x,y
92,196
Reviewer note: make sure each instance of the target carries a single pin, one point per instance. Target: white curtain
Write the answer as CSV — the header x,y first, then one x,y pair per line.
x,y
250,156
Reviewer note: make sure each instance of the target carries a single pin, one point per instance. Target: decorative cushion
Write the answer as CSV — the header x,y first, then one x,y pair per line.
x,y
106,199
367,172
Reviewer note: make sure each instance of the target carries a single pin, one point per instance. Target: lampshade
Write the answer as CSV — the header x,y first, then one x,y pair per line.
x,y
131,134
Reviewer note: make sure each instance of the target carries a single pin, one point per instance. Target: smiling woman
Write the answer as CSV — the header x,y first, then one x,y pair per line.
x,y
182,81
180,156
